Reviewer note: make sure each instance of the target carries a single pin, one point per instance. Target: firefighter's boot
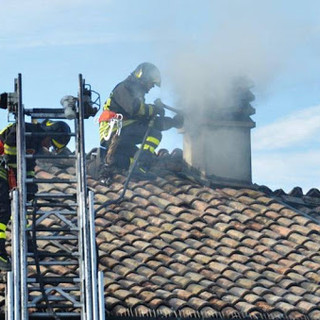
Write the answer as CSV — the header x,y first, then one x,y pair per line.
x,y
141,172
106,173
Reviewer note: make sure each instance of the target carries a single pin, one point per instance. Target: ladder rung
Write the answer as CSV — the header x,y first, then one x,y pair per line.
x,y
51,180
54,195
53,280
55,263
70,288
52,205
42,156
54,229
59,298
53,134
34,112
56,305
57,237
55,254
62,212
63,315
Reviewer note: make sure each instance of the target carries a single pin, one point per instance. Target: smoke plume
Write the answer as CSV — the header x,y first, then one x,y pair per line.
x,y
239,39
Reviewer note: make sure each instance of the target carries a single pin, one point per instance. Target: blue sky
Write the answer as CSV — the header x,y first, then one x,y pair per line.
x,y
195,44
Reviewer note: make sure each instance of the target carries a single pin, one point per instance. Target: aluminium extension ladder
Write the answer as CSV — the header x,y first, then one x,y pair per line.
x,y
33,287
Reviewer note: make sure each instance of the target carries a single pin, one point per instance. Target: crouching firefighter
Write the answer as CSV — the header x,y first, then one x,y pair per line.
x,y
8,167
125,120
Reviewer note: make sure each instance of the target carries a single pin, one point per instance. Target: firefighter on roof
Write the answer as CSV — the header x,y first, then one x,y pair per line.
x,y
8,167
126,105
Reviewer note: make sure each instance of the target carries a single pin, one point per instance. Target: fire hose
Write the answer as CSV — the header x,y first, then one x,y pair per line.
x,y
159,103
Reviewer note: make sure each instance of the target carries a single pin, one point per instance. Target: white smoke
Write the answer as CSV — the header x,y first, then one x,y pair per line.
x,y
259,40
242,38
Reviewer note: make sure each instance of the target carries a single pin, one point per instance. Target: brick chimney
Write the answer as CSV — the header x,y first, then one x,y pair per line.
x,y
218,144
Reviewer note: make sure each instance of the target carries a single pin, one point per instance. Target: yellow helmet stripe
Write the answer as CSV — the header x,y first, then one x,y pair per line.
x,y
57,144
49,123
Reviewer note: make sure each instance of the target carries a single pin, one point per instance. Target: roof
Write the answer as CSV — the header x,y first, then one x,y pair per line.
x,y
308,203
184,246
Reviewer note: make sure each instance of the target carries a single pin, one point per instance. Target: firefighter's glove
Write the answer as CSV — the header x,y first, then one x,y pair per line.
x,y
159,111
32,189
178,121
158,103
159,106
167,123
164,123
3,100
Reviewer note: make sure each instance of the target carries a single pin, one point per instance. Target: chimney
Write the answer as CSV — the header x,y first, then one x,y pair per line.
x,y
218,143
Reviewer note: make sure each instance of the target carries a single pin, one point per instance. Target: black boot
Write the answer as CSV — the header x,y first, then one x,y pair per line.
x,y
141,174
106,173
5,263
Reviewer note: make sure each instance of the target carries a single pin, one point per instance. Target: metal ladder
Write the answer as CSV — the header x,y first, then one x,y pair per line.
x,y
33,287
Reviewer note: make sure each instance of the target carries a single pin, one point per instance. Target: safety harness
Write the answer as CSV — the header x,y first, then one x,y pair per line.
x,y
114,121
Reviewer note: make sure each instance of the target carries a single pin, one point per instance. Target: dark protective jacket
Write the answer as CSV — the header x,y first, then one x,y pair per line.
x,y
127,98
8,138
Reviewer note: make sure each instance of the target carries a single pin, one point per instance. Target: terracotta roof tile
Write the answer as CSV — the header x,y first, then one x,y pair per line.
x,y
197,303
177,304
265,200
313,276
195,288
315,257
315,314
237,235
292,299
312,298
315,228
231,299
310,245
247,308
253,275
272,299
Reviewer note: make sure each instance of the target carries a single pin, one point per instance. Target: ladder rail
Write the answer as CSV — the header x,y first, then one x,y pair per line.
x,y
84,226
15,230
21,176
102,313
92,236
10,296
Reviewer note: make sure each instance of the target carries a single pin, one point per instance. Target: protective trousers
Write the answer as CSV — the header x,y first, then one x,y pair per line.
x,y
124,147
